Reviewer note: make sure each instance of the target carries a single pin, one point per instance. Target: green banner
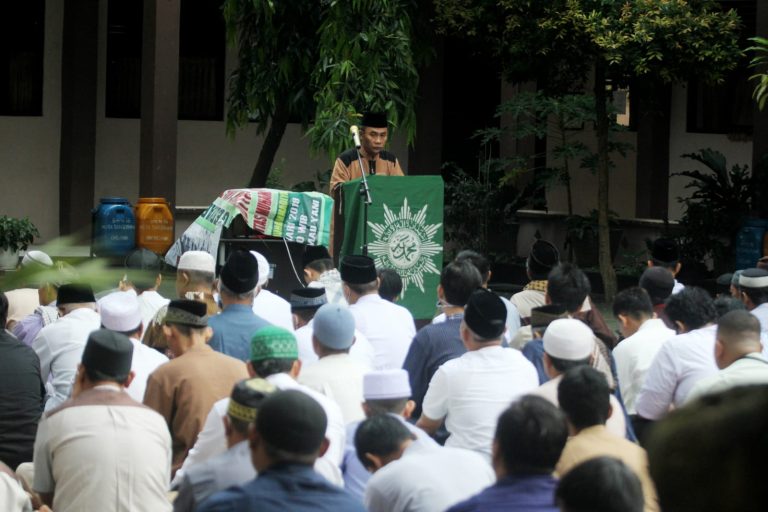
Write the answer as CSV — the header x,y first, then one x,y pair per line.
x,y
405,233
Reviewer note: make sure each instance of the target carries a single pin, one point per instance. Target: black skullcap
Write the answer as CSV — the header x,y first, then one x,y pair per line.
x,y
658,282
108,354
187,312
375,120
486,314
74,294
307,298
542,316
240,273
543,257
293,422
357,269
664,250
314,253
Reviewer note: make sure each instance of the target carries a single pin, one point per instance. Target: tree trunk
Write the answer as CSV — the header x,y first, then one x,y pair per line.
x,y
271,145
604,233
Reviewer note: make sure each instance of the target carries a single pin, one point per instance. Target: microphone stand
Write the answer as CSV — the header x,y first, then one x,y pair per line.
x,y
365,195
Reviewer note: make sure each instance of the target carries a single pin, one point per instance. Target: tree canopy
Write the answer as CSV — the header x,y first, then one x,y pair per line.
x,y
566,43
320,63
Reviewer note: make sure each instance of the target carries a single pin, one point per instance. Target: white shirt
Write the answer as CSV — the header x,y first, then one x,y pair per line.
x,y
513,320
145,361
680,363
340,378
678,287
761,313
60,348
749,370
361,351
274,309
471,392
212,440
98,457
150,303
427,478
634,356
13,498
616,423
389,327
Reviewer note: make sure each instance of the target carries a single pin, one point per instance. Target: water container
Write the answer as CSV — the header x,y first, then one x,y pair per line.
x,y
154,224
749,243
114,227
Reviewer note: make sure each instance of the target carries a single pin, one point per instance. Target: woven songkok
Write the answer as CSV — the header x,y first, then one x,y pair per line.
x,y
272,342
247,396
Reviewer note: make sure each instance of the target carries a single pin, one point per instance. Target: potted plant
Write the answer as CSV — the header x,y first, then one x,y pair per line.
x,y
15,234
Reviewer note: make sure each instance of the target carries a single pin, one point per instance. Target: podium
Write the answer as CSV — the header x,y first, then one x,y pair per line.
x,y
404,229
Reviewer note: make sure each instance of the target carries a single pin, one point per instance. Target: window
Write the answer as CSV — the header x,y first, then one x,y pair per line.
x,y
22,30
124,29
201,59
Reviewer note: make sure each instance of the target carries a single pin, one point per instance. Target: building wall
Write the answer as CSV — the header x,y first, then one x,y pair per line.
x,y
29,146
209,161
682,142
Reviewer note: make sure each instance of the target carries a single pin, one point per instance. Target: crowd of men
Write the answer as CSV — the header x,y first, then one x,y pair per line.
x,y
230,398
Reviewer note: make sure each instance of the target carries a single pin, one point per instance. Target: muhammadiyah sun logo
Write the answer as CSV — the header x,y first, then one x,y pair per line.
x,y
404,241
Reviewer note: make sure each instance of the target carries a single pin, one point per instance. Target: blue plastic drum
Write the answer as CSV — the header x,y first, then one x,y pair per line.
x,y
114,227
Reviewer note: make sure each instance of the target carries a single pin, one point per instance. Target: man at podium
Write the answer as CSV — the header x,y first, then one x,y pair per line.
x,y
375,160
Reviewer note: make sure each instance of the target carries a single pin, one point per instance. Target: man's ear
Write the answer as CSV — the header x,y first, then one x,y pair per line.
x,y
410,405
677,269
251,371
227,425
295,369
680,327
208,334
307,275
158,280
649,263
375,462
610,411
623,319
129,379
254,438
324,447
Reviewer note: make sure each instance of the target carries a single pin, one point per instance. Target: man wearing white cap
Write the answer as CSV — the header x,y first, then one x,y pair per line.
x,y
120,312
470,392
143,275
753,285
385,392
569,343
271,307
23,301
195,276
336,375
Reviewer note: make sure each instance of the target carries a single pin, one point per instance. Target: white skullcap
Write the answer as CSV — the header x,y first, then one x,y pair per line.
x,y
263,268
386,385
120,311
753,278
569,339
36,257
200,261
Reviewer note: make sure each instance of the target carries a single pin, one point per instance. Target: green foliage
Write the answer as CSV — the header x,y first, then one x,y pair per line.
x,y
323,61
713,213
16,234
366,62
760,63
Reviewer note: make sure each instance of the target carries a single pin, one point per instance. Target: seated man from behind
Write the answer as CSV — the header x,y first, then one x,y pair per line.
x,y
530,437
288,438
233,467
583,394
415,477
319,272
603,484
102,450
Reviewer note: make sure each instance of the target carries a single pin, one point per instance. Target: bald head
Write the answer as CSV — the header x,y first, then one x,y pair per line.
x,y
738,334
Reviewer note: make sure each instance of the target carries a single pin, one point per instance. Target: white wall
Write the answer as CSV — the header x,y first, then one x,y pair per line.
x,y
584,182
29,146
681,142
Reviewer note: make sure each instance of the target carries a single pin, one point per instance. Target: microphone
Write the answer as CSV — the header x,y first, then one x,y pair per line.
x,y
355,135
